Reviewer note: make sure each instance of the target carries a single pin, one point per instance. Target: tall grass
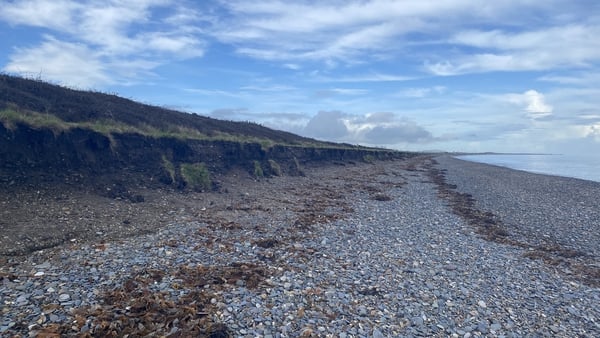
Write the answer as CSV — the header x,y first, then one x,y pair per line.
x,y
10,117
196,176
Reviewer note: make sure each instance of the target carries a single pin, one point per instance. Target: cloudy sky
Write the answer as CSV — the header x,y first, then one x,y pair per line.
x,y
456,75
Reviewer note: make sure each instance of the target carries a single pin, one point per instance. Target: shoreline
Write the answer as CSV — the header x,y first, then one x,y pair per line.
x,y
366,250
525,210
581,172
561,209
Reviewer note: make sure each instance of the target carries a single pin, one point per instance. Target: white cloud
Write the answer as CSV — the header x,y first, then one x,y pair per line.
x,y
326,93
536,104
532,102
592,131
402,131
214,92
575,45
56,14
422,92
382,128
105,42
71,63
181,46
292,66
574,78
328,125
270,88
357,31
370,77
326,31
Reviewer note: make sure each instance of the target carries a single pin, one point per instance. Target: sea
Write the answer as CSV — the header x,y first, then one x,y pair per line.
x,y
577,166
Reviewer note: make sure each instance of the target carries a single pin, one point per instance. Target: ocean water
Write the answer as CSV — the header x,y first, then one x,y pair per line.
x,y
577,166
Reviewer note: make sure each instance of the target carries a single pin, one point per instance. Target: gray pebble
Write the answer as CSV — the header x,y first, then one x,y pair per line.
x,y
406,267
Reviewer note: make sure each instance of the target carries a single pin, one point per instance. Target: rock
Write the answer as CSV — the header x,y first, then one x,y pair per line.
x,y
482,327
45,265
417,321
64,297
22,300
39,274
377,333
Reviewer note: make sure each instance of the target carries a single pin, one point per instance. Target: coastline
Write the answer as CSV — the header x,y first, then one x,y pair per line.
x,y
534,207
561,165
348,251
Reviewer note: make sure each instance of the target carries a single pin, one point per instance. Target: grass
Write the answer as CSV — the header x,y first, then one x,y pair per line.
x,y
275,168
10,118
369,159
196,176
169,167
41,104
298,167
14,115
258,171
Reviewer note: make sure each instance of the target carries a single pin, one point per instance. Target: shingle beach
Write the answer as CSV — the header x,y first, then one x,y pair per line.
x,y
369,250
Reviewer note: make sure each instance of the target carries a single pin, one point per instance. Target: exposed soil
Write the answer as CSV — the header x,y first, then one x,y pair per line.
x,y
52,213
47,213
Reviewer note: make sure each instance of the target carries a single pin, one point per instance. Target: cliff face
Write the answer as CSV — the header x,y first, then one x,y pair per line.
x,y
50,133
26,151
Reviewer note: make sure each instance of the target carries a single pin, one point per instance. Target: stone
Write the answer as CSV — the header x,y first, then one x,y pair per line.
x,y
64,297
417,321
22,300
377,333
482,327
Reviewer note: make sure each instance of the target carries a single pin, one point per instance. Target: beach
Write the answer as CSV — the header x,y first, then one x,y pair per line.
x,y
430,246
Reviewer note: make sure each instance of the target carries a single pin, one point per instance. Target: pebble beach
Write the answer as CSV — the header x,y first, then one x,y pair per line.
x,y
391,259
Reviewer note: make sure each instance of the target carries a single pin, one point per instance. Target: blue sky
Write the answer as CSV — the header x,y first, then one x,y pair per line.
x,y
455,75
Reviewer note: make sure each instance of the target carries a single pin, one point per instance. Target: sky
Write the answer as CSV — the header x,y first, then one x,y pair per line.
x,y
450,75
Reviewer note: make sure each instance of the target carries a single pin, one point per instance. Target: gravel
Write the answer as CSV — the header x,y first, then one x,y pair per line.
x,y
406,266
536,208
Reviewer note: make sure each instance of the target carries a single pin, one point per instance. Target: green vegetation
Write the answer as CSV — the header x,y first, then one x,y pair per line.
x,y
298,167
258,171
275,168
45,105
10,117
369,158
169,167
196,176
266,144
